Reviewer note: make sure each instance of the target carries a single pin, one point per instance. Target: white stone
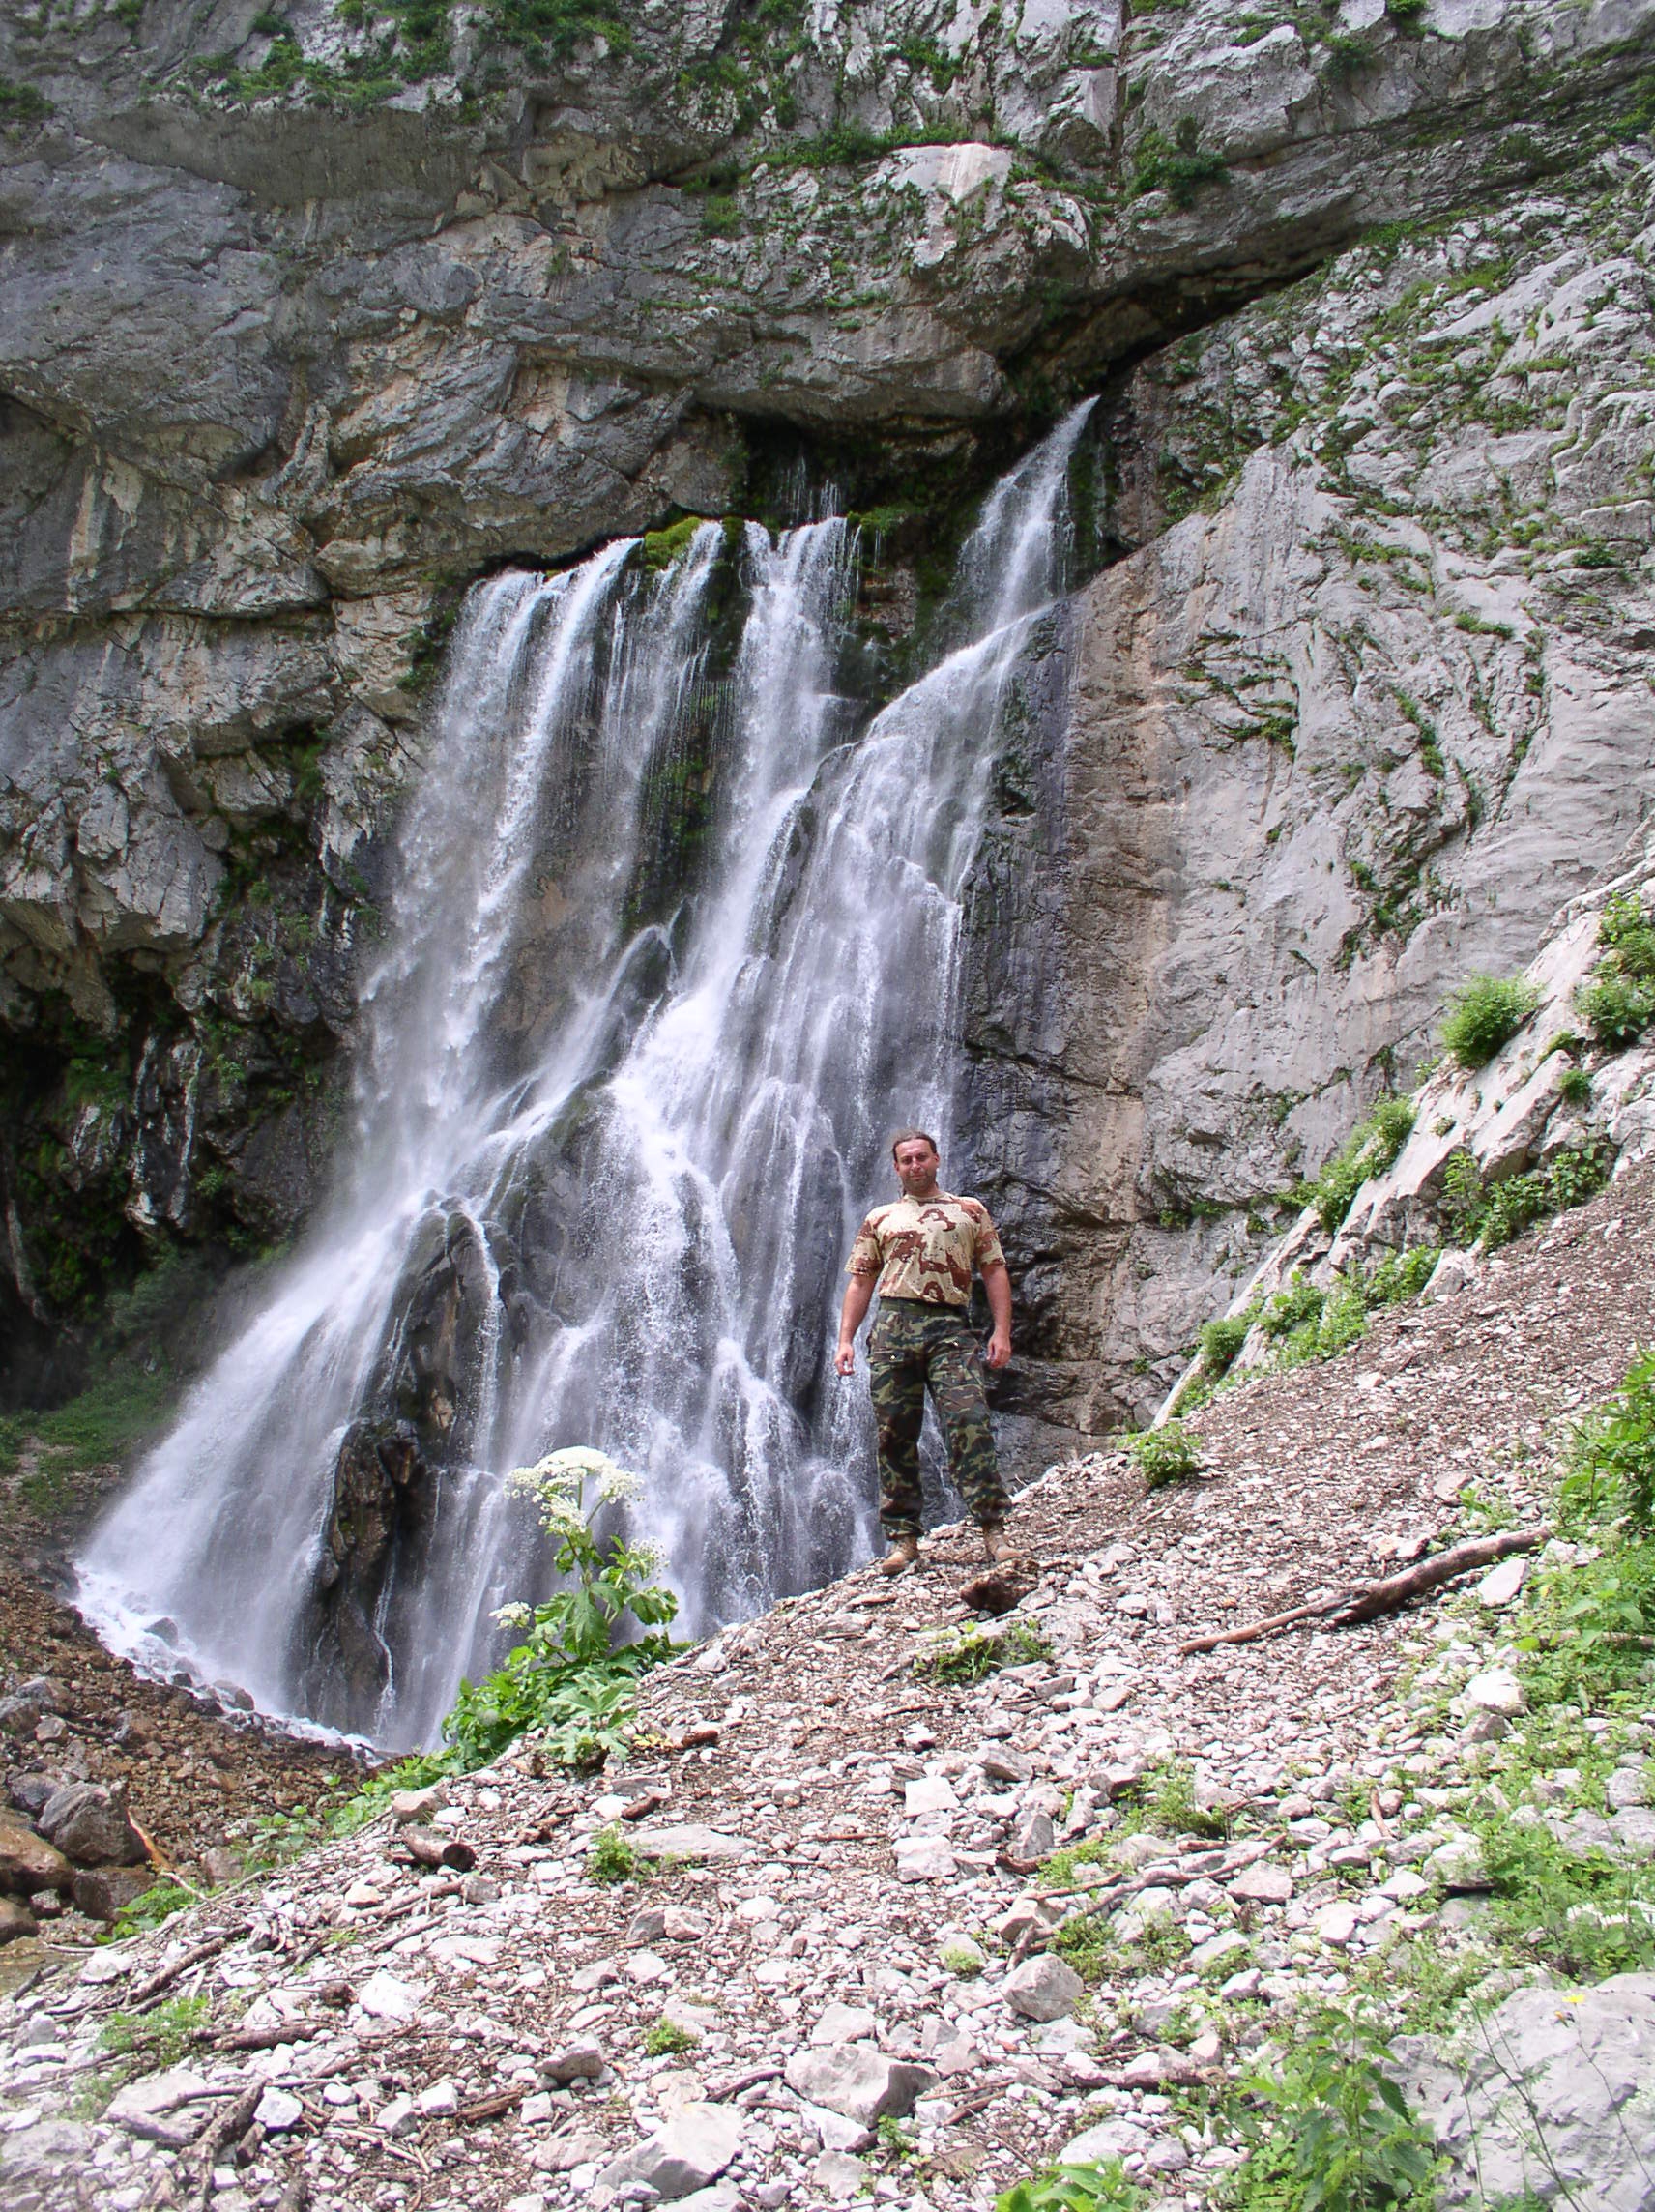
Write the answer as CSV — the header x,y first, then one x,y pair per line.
x,y
862,2083
1337,1924
277,2110
1043,1988
397,2118
383,1996
681,2159
838,2176
843,2023
925,1858
1458,1864
1114,2138
690,1841
835,2131
1499,1691
1552,2097
1502,1584
438,2099
1262,1885
930,1793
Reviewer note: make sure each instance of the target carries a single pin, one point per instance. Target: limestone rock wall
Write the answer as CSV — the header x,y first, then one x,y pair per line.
x,y
1352,729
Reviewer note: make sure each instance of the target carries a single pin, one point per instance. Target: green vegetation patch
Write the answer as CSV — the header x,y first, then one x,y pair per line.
x,y
974,1653
1619,998
1372,1147
1491,1214
1171,1453
1484,1014
1179,167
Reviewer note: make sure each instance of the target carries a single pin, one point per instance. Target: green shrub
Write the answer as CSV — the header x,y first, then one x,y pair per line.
x,y
1075,2189
1491,1214
1297,1302
161,2037
1372,1147
1408,14
1168,1800
1618,1009
1575,1087
612,1857
1330,2131
1179,167
1402,1275
1484,1014
1222,1340
975,1652
156,1906
1619,1000
1171,1453
571,1678
667,2039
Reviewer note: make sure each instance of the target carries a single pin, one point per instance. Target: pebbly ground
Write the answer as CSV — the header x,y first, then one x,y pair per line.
x,y
838,1838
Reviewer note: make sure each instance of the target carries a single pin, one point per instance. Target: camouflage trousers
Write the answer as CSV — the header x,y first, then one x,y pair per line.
x,y
914,1349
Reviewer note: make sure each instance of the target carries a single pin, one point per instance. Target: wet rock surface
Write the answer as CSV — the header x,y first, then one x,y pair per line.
x,y
524,2031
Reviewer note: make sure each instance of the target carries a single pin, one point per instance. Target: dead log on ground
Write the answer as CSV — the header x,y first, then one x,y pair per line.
x,y
1388,1595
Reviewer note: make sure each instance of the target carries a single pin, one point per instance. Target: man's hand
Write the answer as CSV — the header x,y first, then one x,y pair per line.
x,y
858,1296
998,1284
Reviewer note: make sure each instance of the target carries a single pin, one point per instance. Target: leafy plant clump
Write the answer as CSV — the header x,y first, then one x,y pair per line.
x,y
572,1675
1330,2131
1372,1147
1585,1639
977,1652
1171,1453
612,1858
1491,1214
668,2040
1179,167
156,1906
1101,2188
1619,1000
1484,1014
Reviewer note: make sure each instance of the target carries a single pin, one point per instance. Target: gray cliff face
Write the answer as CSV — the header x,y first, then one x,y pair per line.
x,y
300,333
1353,732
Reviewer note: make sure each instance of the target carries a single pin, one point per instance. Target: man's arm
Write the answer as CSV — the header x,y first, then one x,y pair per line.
x,y
858,1296
997,1282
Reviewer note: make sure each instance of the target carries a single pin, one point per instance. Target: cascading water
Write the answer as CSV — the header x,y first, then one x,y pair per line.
x,y
672,948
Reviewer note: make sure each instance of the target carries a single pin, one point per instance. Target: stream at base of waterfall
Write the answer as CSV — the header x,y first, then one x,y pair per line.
x,y
673,947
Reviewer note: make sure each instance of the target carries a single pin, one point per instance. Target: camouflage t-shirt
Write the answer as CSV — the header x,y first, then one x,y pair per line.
x,y
926,1248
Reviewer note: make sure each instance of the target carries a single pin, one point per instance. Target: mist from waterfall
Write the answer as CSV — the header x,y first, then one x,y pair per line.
x,y
673,947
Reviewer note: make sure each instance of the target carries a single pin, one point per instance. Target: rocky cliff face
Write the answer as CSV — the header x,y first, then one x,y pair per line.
x,y
307,317
1352,729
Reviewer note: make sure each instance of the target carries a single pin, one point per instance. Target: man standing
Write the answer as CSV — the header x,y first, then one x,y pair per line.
x,y
920,1252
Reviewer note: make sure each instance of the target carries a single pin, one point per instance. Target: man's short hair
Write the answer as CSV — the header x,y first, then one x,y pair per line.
x,y
912,1137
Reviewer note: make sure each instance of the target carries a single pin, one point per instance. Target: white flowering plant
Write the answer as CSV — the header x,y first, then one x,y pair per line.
x,y
570,1676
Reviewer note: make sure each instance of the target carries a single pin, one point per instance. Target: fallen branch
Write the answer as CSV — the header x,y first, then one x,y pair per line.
x,y
489,2107
428,1850
1371,1599
722,2092
269,2038
165,1976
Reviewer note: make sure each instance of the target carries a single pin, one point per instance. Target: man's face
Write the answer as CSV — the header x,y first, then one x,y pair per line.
x,y
917,1166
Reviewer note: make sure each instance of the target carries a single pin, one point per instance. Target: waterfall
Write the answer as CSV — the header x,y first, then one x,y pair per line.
x,y
673,947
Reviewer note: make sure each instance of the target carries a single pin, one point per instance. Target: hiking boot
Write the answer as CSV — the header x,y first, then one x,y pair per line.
x,y
997,1544
904,1552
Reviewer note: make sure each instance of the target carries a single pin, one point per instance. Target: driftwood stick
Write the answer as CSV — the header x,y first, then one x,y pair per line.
x,y
1371,1599
165,1976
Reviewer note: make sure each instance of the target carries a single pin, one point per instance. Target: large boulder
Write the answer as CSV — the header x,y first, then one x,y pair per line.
x,y
89,1825
27,1861
1549,2100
